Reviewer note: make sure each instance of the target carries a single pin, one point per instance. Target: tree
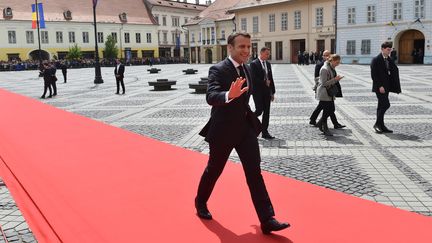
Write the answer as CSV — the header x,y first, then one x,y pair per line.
x,y
74,52
111,50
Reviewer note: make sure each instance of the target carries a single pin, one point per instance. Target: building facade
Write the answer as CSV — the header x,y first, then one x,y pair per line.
x,y
287,27
209,30
171,16
71,22
363,25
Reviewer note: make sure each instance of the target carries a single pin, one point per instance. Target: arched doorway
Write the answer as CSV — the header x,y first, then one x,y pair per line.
x,y
209,56
34,55
411,47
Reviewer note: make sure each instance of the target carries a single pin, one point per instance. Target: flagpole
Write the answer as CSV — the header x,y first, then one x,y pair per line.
x,y
98,76
38,32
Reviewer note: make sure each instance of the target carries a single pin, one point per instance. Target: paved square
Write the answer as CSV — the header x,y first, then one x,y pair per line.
x,y
394,169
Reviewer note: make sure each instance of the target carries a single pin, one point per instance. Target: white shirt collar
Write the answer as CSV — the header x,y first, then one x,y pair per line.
x,y
236,64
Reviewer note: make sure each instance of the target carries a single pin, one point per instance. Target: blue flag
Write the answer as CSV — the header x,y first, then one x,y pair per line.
x,y
40,15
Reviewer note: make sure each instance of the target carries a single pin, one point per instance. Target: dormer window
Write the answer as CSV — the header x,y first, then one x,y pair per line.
x,y
123,17
67,15
7,13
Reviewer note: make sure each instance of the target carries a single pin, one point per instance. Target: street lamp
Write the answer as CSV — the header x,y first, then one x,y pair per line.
x,y
98,76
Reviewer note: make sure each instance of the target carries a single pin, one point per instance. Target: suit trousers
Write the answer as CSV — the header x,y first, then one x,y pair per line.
x,y
262,106
317,111
248,151
54,86
383,106
328,109
120,82
47,85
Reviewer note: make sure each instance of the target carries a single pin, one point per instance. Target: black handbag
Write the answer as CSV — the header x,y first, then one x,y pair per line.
x,y
332,90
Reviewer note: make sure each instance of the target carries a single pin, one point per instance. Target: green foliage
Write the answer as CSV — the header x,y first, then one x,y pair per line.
x,y
74,52
111,50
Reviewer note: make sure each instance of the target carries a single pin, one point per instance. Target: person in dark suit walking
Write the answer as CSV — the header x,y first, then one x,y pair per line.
x,y
119,75
53,79
264,88
385,77
63,67
233,125
46,73
319,108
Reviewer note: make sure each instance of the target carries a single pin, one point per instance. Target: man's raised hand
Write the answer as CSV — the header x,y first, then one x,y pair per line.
x,y
236,88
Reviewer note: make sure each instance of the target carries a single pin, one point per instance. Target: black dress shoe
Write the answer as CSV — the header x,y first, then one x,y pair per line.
x,y
273,225
378,128
313,123
267,136
50,96
202,210
54,94
386,130
42,97
339,126
117,93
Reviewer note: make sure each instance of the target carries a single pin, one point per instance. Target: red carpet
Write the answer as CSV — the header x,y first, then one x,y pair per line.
x,y
79,180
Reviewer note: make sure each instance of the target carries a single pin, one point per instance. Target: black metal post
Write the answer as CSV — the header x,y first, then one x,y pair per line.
x,y
38,32
98,76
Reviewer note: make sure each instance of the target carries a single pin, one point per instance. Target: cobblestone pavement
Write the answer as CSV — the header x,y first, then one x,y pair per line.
x,y
393,169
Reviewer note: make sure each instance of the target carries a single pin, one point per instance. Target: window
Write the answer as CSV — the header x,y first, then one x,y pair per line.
x,y
351,15
334,16
222,34
365,47
30,37
100,37
165,37
319,17
44,37
59,37
255,24
371,13
271,22
138,37
279,50
127,37
397,11
297,20
85,36
193,37
114,36
269,44
173,37
71,37
243,24
185,20
186,38
157,18
213,35
175,21
164,20
148,37
351,46
12,36
284,21
419,9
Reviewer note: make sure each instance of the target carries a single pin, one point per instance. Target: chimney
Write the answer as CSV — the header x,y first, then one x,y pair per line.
x,y
208,2
196,2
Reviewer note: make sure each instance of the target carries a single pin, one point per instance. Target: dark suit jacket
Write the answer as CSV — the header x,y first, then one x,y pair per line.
x,y
120,71
258,75
380,77
227,120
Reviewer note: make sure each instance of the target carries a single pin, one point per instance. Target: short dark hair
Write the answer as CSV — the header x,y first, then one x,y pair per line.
x,y
265,48
231,38
386,44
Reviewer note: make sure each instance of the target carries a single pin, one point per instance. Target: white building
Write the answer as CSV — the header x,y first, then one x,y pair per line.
x,y
71,22
171,16
363,25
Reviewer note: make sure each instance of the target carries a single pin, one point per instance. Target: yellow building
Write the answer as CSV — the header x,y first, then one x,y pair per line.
x,y
71,22
287,26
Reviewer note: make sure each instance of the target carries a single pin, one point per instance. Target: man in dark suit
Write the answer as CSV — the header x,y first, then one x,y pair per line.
x,y
63,67
264,89
319,108
385,77
233,125
47,76
119,75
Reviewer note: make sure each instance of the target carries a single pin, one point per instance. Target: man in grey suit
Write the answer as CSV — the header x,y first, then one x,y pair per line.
x,y
233,125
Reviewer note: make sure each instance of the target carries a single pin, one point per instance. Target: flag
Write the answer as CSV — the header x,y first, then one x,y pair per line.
x,y
177,46
95,3
40,15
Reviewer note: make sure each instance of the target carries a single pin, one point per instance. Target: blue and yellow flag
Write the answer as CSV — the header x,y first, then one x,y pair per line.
x,y
41,16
